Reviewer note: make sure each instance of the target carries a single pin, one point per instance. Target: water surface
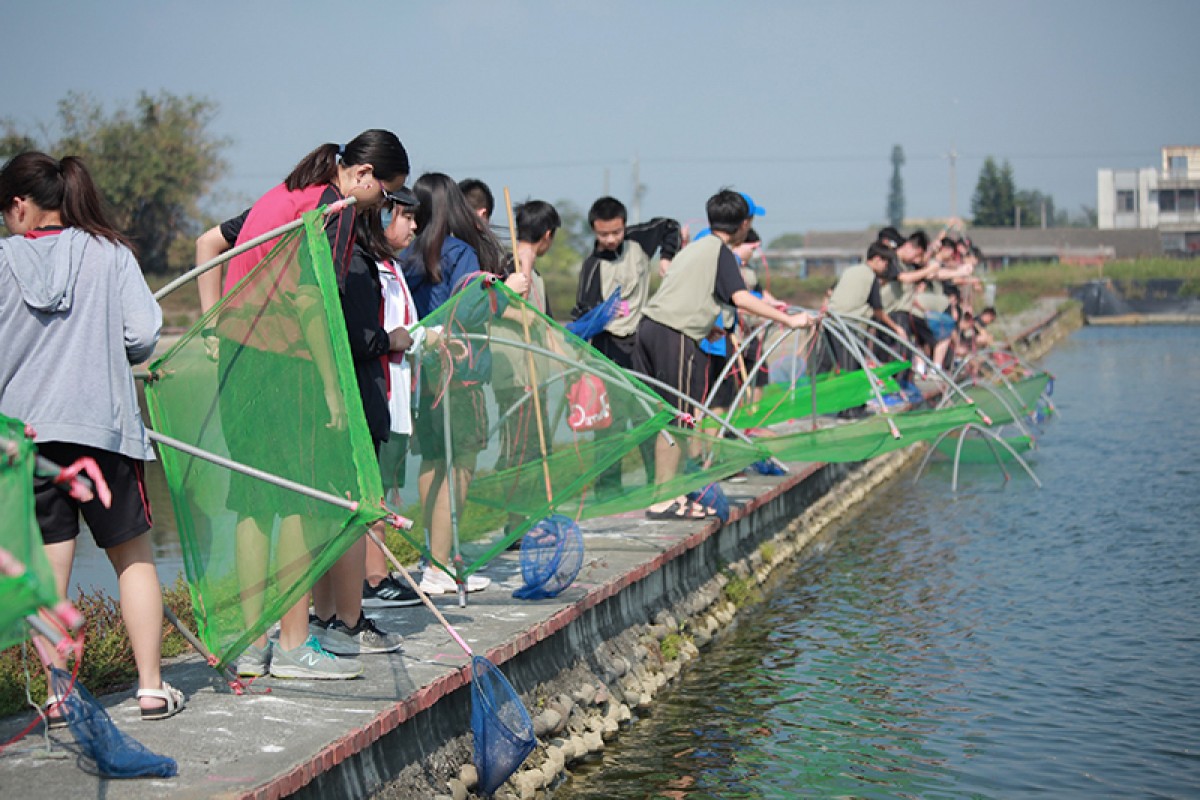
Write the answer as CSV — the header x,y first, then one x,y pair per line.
x,y
1004,642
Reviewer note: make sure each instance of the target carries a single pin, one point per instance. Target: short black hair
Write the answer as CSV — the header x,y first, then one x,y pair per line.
x,y
880,250
890,236
536,218
919,238
752,237
726,211
607,208
479,196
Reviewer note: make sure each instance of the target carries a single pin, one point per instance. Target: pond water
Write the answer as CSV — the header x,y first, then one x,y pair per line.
x,y
1001,642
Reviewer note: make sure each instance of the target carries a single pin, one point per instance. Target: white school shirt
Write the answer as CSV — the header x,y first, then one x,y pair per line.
x,y
398,310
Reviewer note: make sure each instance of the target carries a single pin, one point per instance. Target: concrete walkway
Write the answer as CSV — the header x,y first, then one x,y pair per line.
x,y
283,734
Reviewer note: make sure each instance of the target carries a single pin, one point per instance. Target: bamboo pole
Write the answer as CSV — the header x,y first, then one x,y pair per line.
x,y
537,400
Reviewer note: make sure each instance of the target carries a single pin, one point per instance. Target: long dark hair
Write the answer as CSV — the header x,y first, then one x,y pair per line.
x,y
368,235
64,186
444,211
381,149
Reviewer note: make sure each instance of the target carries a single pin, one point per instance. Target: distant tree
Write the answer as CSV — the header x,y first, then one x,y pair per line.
x,y
1030,204
895,201
153,162
787,241
995,196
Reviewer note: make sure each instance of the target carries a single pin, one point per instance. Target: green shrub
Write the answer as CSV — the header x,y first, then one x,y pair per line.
x,y
107,664
741,591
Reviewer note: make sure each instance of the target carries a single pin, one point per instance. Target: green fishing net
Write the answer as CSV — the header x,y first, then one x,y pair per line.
x,y
272,387
835,391
33,587
533,421
867,438
1000,400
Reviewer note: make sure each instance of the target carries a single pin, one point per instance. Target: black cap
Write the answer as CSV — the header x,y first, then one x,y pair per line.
x,y
402,196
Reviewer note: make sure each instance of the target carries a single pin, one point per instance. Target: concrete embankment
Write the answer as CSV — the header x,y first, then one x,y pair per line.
x,y
651,595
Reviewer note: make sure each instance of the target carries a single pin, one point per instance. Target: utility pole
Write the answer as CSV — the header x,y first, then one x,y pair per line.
x,y
606,174
639,191
1043,215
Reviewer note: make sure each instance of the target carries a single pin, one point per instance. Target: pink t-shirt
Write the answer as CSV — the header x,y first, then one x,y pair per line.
x,y
276,207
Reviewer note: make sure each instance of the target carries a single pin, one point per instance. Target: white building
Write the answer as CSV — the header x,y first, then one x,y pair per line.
x,y
1164,199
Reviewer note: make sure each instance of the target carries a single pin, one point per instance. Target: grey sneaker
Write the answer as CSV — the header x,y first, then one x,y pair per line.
x,y
253,662
362,639
309,660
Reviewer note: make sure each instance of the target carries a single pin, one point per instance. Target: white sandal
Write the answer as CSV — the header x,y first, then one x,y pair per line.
x,y
172,697
58,719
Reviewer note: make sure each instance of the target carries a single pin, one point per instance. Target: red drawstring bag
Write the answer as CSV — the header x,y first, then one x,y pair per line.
x,y
588,401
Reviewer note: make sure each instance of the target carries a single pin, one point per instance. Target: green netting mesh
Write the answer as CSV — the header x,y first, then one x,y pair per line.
x,y
33,588
535,421
858,441
1021,396
835,392
978,450
277,393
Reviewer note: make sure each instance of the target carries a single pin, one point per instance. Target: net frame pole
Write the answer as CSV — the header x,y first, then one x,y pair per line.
x,y
941,373
232,253
266,477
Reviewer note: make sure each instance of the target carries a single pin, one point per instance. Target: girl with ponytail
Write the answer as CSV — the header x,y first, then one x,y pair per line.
x,y
75,315
370,168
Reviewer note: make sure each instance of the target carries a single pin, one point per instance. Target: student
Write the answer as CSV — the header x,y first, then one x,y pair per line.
x,y
398,218
536,224
621,259
702,280
479,198
452,242
857,295
347,630
75,314
368,167
745,255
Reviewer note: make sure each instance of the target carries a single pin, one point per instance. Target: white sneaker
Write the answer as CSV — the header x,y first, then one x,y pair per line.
x,y
435,581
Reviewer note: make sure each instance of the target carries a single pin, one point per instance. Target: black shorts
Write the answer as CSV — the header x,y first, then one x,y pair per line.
x,y
725,392
617,349
58,513
468,434
673,358
393,461
921,332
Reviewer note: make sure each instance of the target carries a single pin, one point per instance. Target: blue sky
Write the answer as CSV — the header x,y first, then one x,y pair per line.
x,y
797,103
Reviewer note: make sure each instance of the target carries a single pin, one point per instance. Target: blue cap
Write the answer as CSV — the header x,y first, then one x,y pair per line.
x,y
702,233
755,209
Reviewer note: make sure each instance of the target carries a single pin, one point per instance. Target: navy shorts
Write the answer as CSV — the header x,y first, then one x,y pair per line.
x,y
58,513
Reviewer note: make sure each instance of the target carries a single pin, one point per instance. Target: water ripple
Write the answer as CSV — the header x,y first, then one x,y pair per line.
x,y
1006,643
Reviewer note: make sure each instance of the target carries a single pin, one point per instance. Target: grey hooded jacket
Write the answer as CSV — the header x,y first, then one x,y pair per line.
x,y
75,313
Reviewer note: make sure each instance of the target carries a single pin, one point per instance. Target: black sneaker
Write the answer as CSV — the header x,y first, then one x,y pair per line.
x,y
390,593
362,639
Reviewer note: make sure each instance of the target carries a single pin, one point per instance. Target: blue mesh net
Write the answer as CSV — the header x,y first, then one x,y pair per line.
x,y
551,555
102,746
768,467
713,496
501,725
